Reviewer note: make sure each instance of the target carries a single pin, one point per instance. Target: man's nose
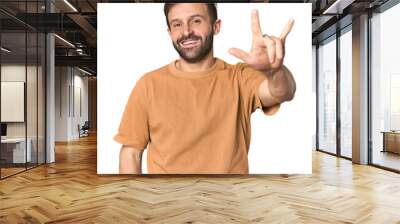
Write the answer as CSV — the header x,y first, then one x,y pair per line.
x,y
187,30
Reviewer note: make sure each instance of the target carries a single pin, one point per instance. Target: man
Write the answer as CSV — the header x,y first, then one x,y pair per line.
x,y
194,114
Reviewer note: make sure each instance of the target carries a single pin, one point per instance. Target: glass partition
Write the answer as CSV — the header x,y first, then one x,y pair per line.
x,y
346,92
327,95
13,109
22,63
41,85
31,100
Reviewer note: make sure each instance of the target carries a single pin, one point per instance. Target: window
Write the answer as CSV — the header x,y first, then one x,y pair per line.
x,y
385,89
346,92
327,95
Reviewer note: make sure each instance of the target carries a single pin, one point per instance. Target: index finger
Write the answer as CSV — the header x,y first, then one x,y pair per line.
x,y
287,29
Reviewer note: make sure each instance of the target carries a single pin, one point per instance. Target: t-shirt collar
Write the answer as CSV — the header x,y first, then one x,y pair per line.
x,y
210,71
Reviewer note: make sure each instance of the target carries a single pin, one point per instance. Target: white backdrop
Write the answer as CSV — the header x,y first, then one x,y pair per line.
x,y
133,40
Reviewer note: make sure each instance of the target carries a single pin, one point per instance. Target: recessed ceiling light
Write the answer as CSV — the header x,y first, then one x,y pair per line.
x,y
5,50
64,40
84,71
70,5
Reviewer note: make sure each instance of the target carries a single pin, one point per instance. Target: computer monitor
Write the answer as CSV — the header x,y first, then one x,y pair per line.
x,y
3,129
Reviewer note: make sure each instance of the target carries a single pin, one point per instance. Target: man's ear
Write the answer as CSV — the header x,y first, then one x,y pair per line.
x,y
169,32
217,26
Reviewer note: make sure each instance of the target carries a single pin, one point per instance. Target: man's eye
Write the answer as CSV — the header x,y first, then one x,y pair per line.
x,y
176,25
197,21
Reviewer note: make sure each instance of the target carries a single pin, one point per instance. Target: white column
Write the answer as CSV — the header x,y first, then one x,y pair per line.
x,y
50,91
360,90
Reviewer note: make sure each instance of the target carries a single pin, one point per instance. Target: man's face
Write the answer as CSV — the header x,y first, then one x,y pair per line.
x,y
191,31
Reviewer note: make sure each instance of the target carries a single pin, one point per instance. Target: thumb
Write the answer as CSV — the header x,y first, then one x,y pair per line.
x,y
242,55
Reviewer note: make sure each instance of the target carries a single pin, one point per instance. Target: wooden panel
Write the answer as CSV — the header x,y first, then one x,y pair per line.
x,y
392,142
92,101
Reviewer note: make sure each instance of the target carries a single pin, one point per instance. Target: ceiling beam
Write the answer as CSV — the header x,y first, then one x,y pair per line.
x,y
83,23
85,61
338,6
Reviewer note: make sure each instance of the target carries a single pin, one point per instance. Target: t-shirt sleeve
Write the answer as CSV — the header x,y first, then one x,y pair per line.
x,y
249,83
134,127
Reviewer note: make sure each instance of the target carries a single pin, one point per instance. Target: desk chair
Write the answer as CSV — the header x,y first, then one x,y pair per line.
x,y
84,130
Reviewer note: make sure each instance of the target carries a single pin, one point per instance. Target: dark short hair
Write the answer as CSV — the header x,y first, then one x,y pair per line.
x,y
211,8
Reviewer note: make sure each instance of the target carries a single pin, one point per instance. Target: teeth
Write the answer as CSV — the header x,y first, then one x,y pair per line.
x,y
187,42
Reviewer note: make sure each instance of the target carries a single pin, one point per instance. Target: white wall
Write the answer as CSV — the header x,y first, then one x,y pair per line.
x,y
80,118
61,103
70,83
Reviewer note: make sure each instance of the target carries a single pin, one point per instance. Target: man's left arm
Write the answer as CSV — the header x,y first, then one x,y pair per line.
x,y
279,87
266,55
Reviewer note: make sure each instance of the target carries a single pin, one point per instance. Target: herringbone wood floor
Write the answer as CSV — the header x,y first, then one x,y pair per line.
x,y
70,191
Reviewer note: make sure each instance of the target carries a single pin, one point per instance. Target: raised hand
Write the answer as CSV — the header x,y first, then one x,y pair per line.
x,y
267,52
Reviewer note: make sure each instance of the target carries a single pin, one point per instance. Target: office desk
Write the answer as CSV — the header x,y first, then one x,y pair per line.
x,y
391,141
15,148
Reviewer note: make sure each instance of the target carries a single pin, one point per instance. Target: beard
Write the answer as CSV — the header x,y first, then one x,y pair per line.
x,y
197,53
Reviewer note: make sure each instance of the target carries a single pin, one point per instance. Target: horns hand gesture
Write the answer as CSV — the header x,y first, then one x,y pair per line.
x,y
267,52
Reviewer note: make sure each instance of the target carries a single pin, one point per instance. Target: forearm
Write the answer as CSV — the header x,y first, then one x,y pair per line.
x,y
281,84
130,160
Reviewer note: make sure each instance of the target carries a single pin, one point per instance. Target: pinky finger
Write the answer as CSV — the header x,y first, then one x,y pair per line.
x,y
280,50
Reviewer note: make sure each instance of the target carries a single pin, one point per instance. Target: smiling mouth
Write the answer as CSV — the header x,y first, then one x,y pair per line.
x,y
189,43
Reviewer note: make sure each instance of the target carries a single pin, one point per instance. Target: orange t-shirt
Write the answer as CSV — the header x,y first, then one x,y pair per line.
x,y
193,122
